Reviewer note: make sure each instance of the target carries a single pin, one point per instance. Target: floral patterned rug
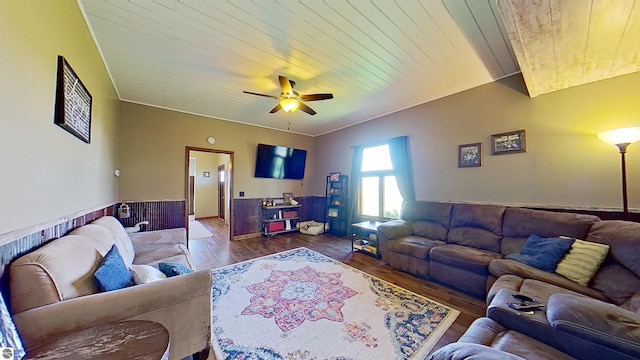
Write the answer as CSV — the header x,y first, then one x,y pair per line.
x,y
301,305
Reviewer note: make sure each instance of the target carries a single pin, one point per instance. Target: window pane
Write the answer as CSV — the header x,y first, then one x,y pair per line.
x,y
376,158
392,198
370,196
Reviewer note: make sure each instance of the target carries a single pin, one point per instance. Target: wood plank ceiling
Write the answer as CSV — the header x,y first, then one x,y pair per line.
x,y
376,56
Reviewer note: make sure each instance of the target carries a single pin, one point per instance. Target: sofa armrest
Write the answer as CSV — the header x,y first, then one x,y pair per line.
x,y
596,321
391,230
39,324
159,237
395,229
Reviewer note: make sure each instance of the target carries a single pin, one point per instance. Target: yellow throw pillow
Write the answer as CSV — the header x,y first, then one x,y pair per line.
x,y
582,261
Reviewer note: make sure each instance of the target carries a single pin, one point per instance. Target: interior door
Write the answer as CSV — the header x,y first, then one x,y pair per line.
x,y
221,192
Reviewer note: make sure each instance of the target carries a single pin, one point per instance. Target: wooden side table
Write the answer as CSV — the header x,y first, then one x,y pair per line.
x,y
136,339
364,238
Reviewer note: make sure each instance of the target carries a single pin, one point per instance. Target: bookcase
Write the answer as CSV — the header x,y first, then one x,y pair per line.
x,y
279,219
337,204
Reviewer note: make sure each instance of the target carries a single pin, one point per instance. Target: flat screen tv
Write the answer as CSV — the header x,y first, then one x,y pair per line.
x,y
280,162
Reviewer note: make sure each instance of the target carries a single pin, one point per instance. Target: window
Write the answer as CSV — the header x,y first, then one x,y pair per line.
x,y
379,194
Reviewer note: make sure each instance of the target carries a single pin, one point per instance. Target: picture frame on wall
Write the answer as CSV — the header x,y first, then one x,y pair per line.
x,y
334,176
470,155
509,143
73,102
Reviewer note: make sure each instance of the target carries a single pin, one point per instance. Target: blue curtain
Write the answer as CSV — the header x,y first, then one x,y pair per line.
x,y
401,162
354,186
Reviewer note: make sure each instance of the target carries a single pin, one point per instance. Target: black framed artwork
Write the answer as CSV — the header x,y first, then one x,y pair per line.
x,y
509,143
470,155
73,102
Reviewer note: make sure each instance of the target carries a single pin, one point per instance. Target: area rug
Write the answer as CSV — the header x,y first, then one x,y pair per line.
x,y
198,231
299,304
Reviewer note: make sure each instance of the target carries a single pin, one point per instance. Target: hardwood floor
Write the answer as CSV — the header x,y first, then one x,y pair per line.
x,y
219,251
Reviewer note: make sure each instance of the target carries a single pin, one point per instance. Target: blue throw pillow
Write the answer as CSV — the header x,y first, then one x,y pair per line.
x,y
112,274
542,253
173,269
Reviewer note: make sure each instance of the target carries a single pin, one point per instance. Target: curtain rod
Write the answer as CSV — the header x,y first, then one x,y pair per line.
x,y
382,142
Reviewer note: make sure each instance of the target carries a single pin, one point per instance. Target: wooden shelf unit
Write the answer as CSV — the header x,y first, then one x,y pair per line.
x,y
274,219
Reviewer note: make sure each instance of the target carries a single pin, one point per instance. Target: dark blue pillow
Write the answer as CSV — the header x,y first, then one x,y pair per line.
x,y
173,269
113,274
542,253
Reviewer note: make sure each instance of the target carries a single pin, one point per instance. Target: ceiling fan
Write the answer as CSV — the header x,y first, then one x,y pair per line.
x,y
290,100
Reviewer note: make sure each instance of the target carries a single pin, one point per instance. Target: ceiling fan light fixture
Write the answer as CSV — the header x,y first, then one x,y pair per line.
x,y
289,104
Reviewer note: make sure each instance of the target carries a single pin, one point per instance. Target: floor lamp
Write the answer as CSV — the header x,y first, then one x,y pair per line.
x,y
622,138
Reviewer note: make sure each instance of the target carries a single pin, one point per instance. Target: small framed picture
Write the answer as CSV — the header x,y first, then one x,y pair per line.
x,y
334,176
287,198
509,143
332,212
207,174
470,155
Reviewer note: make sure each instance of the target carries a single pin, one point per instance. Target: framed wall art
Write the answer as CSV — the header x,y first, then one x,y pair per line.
x,y
470,155
508,143
73,102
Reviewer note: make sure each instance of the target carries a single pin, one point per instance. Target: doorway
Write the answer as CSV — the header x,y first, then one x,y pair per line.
x,y
221,192
208,191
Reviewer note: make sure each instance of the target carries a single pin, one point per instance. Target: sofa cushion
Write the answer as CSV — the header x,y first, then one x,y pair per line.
x,y
542,253
122,238
596,321
55,272
429,230
490,333
624,285
104,236
143,274
112,273
520,223
414,246
505,269
463,257
477,226
582,261
172,253
435,212
174,269
624,239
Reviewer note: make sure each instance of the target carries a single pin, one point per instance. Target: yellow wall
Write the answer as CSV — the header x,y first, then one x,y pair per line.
x,y
565,164
45,172
152,153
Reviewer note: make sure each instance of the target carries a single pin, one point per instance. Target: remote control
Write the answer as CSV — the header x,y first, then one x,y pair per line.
x,y
525,306
523,298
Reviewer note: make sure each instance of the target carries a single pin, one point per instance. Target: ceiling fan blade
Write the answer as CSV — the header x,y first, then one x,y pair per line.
x,y
285,85
269,96
276,109
306,109
316,97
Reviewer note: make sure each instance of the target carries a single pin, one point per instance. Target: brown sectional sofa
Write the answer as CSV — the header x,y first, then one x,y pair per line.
x,y
464,246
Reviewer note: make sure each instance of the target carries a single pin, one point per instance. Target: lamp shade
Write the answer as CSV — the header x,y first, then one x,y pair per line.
x,y
626,135
289,104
